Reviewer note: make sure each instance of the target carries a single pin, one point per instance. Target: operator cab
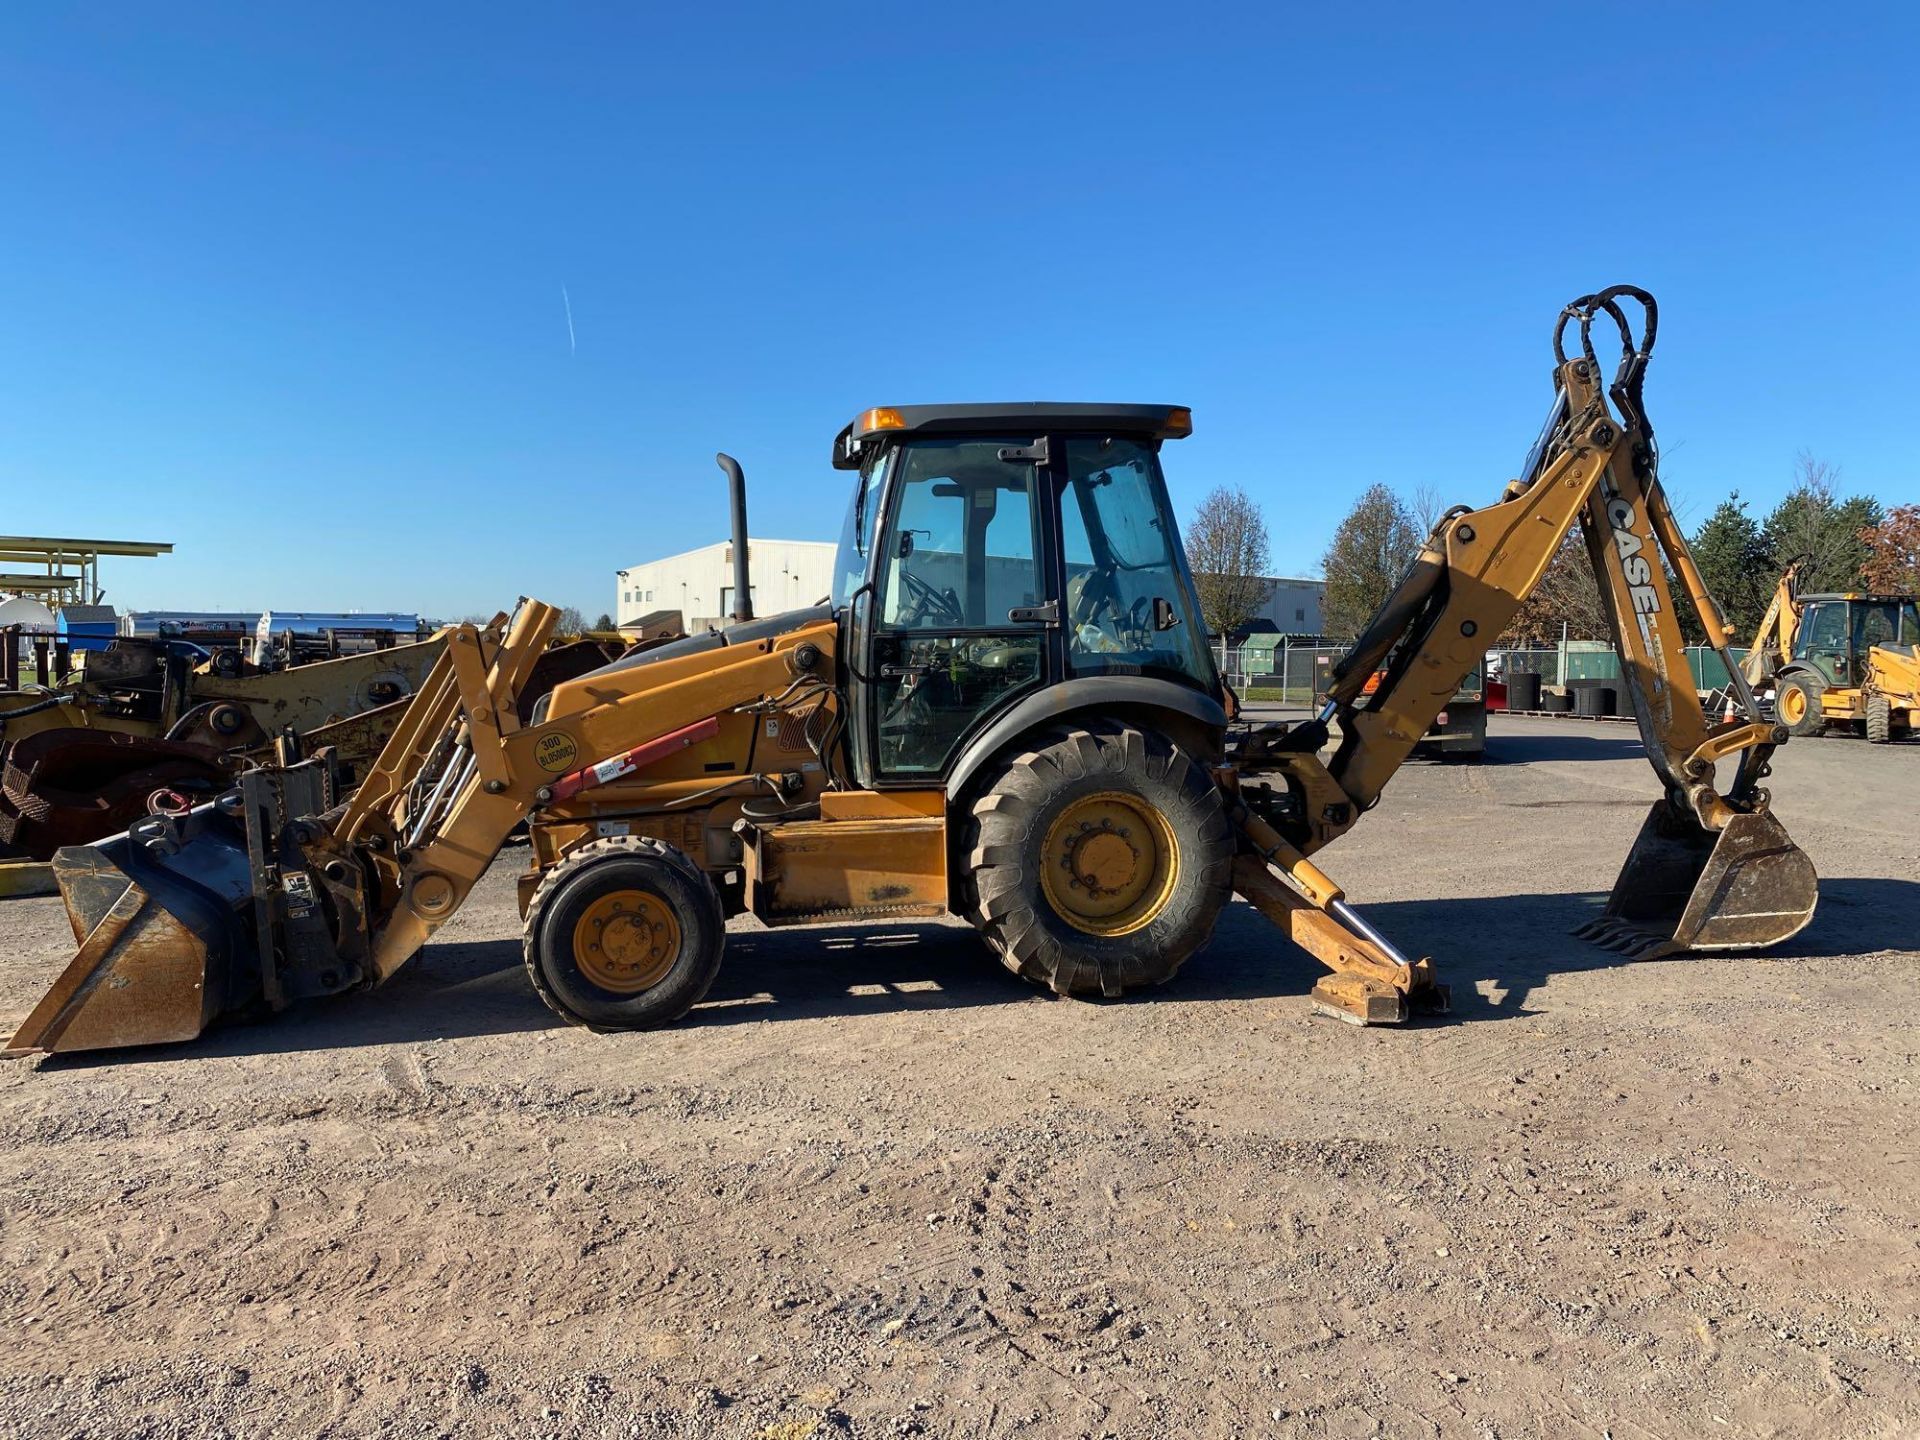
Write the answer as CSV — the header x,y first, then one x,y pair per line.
x,y
1838,633
993,550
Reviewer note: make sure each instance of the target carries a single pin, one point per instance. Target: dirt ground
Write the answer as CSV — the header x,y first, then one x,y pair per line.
x,y
877,1187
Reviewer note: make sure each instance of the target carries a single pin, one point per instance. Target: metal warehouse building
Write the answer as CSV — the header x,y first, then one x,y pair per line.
x,y
784,575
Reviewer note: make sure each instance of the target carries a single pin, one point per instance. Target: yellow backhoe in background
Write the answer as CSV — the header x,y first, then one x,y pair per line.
x,y
1007,711
1842,659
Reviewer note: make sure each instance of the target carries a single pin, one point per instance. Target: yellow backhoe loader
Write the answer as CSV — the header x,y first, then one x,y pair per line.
x,y
1008,710
1838,660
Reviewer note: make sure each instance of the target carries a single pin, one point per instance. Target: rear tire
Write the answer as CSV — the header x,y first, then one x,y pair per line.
x,y
624,934
1879,719
1797,704
1099,860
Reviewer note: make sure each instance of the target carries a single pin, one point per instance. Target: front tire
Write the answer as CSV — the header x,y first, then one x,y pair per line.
x,y
1879,719
1797,704
624,934
1099,860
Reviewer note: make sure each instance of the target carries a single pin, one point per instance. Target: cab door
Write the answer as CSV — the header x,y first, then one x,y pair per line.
x,y
1825,643
964,621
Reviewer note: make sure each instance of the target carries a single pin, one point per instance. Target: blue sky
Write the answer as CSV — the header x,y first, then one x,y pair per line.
x,y
283,284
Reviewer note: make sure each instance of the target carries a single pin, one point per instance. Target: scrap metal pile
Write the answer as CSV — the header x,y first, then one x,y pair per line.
x,y
150,727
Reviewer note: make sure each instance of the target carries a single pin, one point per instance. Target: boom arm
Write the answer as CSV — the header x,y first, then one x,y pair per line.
x,y
1712,869
1477,567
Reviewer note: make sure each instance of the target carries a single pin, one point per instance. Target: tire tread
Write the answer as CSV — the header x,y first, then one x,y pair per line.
x,y
1004,896
556,876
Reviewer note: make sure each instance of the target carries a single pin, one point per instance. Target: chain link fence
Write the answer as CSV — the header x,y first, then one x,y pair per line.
x,y
1288,670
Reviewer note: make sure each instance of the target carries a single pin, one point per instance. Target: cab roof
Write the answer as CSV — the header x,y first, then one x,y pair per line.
x,y
1859,595
1158,422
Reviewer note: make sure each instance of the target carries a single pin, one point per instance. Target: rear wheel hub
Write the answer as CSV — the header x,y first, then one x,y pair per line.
x,y
1109,863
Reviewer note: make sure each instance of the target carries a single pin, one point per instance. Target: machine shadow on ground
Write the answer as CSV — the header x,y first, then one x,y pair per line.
x,y
1510,945
1568,745
1515,944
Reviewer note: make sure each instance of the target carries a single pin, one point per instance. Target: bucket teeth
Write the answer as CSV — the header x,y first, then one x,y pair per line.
x,y
1633,941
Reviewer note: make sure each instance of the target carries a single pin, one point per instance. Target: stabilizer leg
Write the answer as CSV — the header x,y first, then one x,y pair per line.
x,y
1371,984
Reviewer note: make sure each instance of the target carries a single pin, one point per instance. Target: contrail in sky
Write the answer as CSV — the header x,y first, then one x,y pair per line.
x,y
572,348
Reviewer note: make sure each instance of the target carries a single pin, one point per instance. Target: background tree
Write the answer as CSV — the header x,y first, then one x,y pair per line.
x,y
1812,521
605,622
572,622
1426,507
1227,552
1893,552
1734,560
1368,556
1565,602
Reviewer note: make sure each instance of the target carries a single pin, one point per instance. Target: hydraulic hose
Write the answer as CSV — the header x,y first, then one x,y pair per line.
x,y
34,709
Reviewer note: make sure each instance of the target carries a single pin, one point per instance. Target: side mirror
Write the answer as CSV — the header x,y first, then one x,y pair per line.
x,y
1163,616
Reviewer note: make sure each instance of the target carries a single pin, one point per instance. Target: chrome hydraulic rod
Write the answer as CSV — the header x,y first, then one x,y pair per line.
x,y
1351,918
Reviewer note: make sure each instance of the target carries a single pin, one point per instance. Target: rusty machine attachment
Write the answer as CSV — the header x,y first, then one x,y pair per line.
x,y
1030,734
150,724
143,732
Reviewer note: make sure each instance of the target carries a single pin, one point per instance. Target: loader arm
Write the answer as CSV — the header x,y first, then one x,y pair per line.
x,y
260,899
1712,868
461,773
1773,640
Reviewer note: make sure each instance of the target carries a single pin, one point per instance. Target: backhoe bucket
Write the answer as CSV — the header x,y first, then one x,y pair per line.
x,y
169,921
1688,888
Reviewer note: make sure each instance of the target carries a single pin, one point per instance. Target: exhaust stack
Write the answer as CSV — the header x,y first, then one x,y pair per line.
x,y
737,486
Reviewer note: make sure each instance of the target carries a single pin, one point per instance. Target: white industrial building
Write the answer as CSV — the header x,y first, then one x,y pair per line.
x,y
1293,606
783,574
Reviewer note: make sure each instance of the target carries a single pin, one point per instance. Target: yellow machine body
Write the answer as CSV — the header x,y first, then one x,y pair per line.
x,y
720,763
1857,664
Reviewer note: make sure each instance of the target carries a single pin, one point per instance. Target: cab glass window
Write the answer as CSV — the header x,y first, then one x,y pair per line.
x,y
961,556
1825,629
963,549
1881,623
1129,606
856,533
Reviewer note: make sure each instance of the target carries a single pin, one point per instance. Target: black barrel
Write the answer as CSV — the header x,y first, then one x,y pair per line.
x,y
1556,702
1523,690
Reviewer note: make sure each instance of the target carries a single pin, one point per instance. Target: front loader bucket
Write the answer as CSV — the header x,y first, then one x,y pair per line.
x,y
157,959
183,920
1688,888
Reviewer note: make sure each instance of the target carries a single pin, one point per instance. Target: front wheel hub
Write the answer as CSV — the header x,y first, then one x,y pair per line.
x,y
626,941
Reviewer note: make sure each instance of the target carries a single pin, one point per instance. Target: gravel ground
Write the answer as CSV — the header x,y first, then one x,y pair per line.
x,y
877,1187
